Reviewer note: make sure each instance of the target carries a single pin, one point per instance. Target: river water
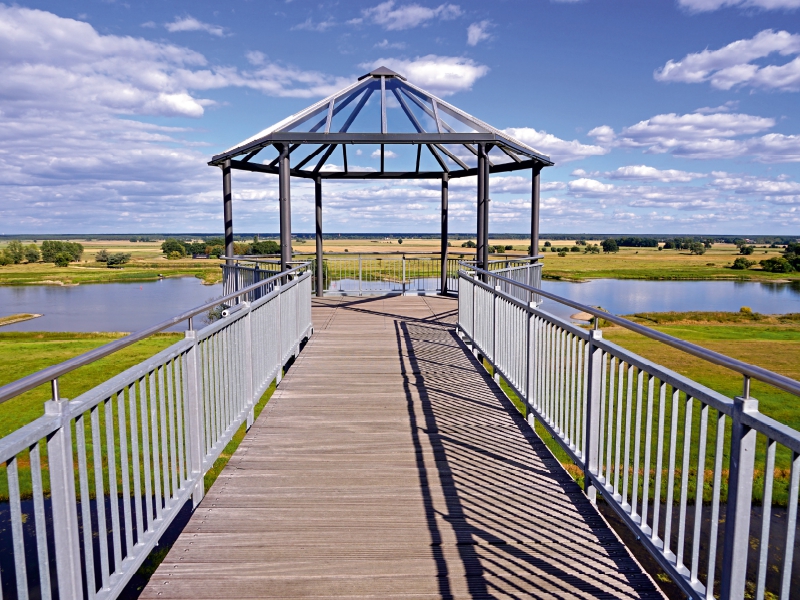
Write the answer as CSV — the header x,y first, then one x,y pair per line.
x,y
133,306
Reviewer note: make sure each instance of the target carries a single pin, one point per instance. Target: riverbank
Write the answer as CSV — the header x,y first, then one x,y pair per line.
x,y
17,318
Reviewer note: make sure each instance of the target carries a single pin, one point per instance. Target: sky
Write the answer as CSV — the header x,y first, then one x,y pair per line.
x,y
662,116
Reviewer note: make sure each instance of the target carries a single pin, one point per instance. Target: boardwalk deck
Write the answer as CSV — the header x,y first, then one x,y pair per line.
x,y
388,464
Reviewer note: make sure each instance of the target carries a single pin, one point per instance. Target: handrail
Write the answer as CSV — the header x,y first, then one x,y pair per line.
x,y
53,372
779,381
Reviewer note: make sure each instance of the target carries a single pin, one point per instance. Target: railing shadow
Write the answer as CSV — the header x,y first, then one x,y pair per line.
x,y
521,525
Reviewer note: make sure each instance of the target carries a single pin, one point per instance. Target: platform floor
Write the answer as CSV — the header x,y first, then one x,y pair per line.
x,y
388,464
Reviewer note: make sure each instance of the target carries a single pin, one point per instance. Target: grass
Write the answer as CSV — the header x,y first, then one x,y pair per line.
x,y
8,320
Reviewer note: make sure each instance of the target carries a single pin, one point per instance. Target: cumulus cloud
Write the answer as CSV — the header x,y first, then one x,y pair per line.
x,y
405,16
642,173
705,136
309,25
734,64
188,23
442,75
559,150
386,154
711,5
478,32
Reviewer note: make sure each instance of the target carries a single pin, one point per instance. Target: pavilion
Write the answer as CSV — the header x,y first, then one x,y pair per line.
x,y
382,110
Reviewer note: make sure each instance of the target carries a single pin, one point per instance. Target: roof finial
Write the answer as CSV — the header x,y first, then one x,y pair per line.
x,y
382,72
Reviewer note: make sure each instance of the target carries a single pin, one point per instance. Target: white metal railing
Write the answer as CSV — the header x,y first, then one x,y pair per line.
x,y
123,458
660,448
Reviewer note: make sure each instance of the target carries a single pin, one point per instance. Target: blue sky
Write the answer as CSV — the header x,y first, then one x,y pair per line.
x,y
661,116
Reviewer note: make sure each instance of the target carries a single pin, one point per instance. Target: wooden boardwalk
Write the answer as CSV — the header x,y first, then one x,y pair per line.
x,y
389,465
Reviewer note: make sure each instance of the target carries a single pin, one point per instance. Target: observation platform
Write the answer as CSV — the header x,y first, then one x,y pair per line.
x,y
389,464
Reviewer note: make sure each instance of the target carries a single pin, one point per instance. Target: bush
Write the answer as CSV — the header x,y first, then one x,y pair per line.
x,y
400,240
62,259
592,249
15,251
741,263
471,244
5,259
697,248
562,254
118,258
777,264
746,250
580,242
216,251
509,247
547,244
174,255
32,253
101,256
610,245
575,249
746,310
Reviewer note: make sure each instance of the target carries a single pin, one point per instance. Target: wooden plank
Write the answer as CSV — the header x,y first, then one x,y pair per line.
x,y
389,464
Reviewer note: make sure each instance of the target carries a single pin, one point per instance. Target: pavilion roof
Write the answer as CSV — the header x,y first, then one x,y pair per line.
x,y
382,109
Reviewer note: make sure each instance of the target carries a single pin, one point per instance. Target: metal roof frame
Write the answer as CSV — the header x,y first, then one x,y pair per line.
x,y
308,133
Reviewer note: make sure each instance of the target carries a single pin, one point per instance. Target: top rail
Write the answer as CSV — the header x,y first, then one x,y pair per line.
x,y
779,381
49,374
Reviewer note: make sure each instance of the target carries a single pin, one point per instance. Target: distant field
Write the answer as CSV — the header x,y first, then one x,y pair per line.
x,y
147,262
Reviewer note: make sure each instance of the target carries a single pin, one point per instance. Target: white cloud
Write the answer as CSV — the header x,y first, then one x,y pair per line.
x,y
751,184
589,186
386,154
442,75
642,173
386,45
734,64
559,150
189,23
710,5
309,25
254,57
405,16
478,32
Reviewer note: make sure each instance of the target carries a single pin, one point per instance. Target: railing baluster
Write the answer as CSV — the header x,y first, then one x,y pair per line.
x,y
766,513
791,528
20,570
662,399
715,497
100,498
687,444
698,497
40,522
637,437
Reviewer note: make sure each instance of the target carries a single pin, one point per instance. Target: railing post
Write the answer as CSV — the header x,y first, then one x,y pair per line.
x,y
403,259
740,490
195,421
279,375
64,502
592,421
530,374
495,302
359,274
248,365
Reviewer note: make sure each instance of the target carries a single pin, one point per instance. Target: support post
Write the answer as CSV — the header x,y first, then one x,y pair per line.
x,y
486,201
284,183
445,189
535,212
64,502
318,206
740,490
227,210
247,358
479,250
592,434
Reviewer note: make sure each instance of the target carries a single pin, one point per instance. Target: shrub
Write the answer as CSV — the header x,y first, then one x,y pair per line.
x,y
610,245
562,254
118,258
746,250
553,249
580,242
101,256
742,263
5,259
216,251
746,310
62,259
471,244
399,240
32,253
575,249
509,247
592,249
547,244
175,255
777,264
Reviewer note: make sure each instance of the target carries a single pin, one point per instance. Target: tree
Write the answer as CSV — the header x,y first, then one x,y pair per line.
x,y
400,240
610,245
741,263
509,247
777,264
118,258
547,244
101,256
746,250
32,253
697,248
5,259
265,247
171,245
15,251
592,249
708,243
575,249
52,248
62,259
471,244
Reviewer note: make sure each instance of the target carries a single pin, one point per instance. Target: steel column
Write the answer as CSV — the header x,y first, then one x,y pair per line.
x,y
318,207
486,210
445,189
535,212
227,210
285,203
479,250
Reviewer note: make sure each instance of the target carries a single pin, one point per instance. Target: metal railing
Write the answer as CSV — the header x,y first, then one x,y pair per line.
x,y
246,271
663,450
122,459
